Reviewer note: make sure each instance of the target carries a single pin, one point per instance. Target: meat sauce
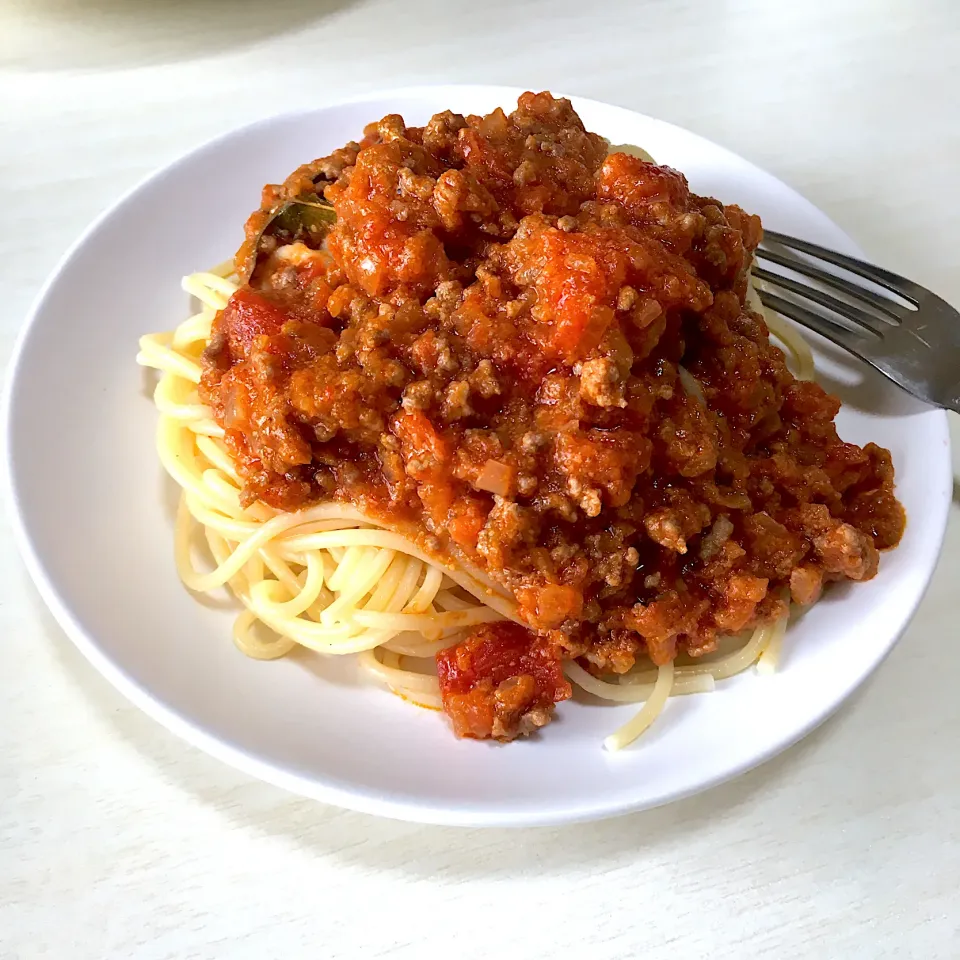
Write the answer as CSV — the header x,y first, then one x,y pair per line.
x,y
488,350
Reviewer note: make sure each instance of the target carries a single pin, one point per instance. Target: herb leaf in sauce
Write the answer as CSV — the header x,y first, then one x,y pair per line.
x,y
304,219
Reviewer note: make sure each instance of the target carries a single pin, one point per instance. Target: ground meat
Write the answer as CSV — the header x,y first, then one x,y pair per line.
x,y
773,550
806,584
718,535
666,529
847,551
602,384
440,136
741,594
679,518
418,396
459,199
456,401
484,380
535,358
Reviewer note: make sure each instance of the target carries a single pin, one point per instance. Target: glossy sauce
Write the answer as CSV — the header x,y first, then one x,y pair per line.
x,y
485,350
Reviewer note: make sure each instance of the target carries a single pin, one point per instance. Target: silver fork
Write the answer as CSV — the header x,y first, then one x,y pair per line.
x,y
916,346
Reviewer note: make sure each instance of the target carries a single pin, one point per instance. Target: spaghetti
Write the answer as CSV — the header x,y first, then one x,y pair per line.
x,y
484,405
331,579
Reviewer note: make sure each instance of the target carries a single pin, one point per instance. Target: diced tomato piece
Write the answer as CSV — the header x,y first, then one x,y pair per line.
x,y
581,276
611,464
548,606
419,437
249,315
500,682
377,250
634,182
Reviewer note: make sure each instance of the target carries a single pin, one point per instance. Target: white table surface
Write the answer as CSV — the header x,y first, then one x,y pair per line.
x,y
118,840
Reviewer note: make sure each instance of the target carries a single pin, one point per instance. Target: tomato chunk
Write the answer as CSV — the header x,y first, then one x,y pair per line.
x,y
419,438
501,682
249,315
581,276
635,183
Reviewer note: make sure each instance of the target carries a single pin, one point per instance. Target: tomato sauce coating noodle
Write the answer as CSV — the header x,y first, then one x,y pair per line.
x,y
494,407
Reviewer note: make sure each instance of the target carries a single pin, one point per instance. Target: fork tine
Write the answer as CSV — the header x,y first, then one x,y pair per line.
x,y
892,281
894,311
852,313
841,336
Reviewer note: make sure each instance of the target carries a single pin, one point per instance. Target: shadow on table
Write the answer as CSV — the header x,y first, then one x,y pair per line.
x,y
92,34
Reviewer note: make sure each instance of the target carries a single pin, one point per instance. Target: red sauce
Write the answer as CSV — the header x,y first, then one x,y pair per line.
x,y
499,678
484,351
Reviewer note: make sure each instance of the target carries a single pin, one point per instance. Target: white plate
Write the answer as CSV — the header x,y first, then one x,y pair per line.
x,y
92,514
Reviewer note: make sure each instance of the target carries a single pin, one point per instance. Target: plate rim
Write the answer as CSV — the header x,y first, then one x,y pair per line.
x,y
371,801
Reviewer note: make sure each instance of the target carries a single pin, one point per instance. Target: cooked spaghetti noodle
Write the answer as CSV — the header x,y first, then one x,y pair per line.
x,y
493,408
330,579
